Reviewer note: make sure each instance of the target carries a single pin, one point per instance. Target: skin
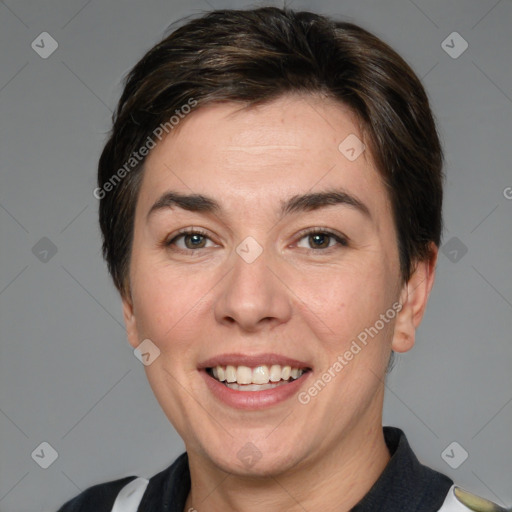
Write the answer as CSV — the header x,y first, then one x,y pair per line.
x,y
295,299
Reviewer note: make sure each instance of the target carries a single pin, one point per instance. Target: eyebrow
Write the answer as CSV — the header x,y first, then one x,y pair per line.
x,y
316,200
295,204
191,202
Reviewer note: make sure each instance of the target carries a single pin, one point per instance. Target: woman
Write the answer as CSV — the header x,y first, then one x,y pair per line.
x,y
270,203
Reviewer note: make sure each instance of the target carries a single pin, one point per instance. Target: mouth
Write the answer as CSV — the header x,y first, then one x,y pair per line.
x,y
258,378
253,382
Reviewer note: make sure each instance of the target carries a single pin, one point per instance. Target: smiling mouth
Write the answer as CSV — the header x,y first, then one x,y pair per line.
x,y
259,378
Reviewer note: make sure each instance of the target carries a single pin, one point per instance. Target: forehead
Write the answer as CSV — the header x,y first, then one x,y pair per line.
x,y
268,152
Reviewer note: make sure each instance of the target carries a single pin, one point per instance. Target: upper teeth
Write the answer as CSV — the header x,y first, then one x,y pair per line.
x,y
259,375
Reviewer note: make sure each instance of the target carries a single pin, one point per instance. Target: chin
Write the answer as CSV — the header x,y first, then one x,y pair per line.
x,y
255,459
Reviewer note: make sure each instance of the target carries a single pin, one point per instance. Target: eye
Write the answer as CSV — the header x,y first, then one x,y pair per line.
x,y
321,239
189,239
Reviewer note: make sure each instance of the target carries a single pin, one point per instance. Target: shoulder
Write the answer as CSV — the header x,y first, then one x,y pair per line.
x,y
99,498
460,500
172,484
406,484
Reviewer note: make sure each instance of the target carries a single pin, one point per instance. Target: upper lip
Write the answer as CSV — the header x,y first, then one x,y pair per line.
x,y
252,361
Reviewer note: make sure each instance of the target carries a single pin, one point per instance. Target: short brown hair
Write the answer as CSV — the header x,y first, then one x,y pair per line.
x,y
255,56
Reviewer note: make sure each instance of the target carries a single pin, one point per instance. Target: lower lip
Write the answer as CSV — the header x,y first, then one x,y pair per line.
x,y
253,399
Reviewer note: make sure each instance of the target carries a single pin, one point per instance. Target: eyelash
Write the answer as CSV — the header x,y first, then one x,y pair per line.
x,y
182,233
340,239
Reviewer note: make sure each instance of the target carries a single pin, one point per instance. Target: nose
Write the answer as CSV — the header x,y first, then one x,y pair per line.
x,y
253,295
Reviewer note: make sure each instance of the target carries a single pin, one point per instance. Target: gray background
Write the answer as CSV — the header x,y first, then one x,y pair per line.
x,y
68,376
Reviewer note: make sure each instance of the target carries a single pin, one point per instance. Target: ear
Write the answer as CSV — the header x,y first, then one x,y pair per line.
x,y
132,332
414,298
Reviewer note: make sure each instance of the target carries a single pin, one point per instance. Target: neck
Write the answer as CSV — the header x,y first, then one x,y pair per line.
x,y
336,480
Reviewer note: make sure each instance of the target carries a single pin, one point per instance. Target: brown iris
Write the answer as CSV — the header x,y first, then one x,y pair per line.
x,y
319,240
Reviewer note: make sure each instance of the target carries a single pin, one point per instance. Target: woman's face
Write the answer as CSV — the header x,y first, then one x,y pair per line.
x,y
288,259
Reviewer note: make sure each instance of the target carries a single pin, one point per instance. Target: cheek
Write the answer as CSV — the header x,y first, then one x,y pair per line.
x,y
169,306
344,300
